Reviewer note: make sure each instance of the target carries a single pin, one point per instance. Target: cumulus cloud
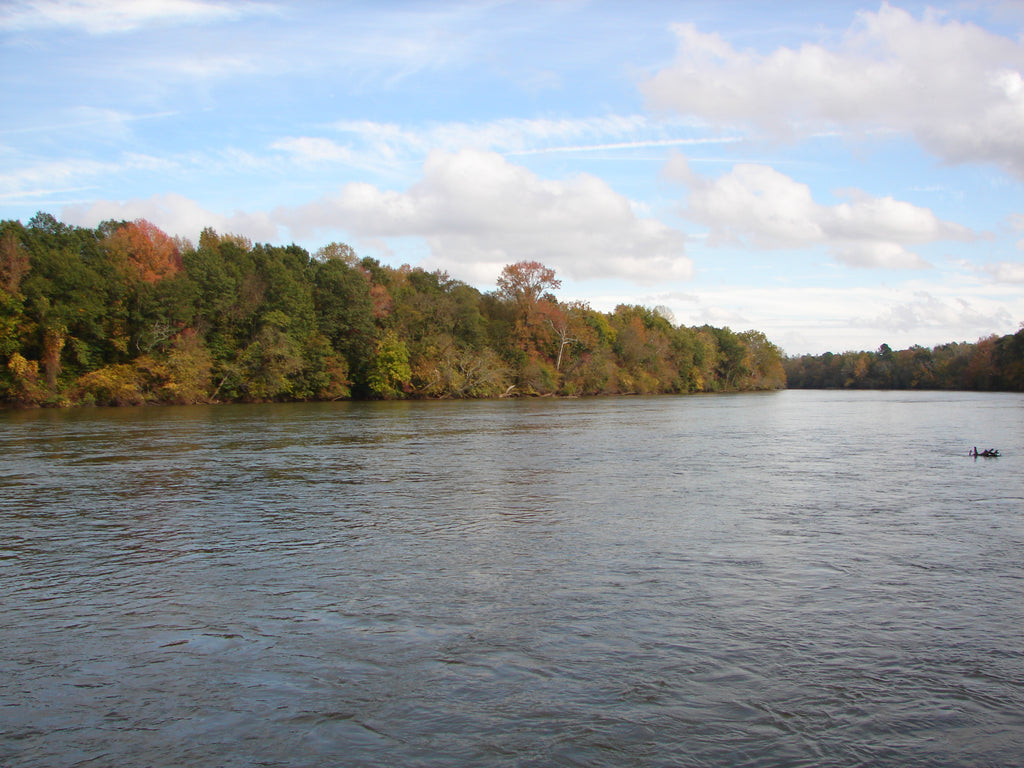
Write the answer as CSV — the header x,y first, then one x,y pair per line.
x,y
760,207
175,214
953,86
475,207
113,16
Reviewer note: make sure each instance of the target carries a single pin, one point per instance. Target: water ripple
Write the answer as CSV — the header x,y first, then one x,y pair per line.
x,y
515,583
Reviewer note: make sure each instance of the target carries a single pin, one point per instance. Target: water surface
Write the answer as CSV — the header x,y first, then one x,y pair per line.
x,y
786,579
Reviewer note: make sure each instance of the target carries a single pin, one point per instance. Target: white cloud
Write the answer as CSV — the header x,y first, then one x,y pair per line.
x,y
112,16
926,311
824,318
953,86
1006,271
476,208
175,214
759,207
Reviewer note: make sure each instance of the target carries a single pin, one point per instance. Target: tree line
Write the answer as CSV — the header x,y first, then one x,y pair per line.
x,y
124,314
995,363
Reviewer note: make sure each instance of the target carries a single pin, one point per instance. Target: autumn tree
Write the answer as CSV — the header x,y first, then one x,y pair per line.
x,y
23,386
338,252
525,282
643,347
567,323
144,251
764,360
524,285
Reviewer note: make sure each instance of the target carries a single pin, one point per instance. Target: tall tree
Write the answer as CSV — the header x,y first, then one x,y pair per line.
x,y
524,285
344,311
526,281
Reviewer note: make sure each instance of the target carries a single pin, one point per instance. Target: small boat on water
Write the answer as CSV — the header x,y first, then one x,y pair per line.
x,y
988,453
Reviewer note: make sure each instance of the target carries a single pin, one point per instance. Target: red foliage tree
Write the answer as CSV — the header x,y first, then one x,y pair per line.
x,y
144,251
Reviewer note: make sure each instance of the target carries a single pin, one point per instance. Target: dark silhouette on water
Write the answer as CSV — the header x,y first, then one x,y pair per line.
x,y
988,453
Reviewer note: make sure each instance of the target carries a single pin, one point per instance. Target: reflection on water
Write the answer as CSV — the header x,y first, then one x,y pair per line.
x,y
800,578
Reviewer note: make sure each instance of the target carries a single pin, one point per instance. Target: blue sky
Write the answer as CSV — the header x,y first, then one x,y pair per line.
x,y
838,175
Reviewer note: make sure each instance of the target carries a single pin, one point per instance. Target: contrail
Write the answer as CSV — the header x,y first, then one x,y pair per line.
x,y
627,145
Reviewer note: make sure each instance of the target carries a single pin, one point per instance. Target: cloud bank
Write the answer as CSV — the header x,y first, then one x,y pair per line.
x,y
759,207
956,88
476,210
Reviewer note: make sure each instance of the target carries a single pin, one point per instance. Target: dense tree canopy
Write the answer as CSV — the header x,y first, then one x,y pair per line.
x,y
124,314
992,364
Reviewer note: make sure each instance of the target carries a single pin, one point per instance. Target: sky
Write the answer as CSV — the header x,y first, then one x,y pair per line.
x,y
837,175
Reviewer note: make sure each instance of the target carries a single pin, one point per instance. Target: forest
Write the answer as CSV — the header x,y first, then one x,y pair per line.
x,y
993,364
124,314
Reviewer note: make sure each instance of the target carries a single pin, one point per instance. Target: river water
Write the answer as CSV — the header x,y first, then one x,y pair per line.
x,y
787,579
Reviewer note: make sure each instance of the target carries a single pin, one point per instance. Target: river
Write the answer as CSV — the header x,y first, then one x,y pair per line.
x,y
785,579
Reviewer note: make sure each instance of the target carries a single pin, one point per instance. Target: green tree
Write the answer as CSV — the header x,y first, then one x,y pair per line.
x,y
344,312
732,367
389,371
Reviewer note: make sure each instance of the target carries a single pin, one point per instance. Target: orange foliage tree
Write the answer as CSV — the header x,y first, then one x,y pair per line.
x,y
524,285
144,251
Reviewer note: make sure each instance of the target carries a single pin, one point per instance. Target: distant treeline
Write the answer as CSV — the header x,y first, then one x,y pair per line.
x,y
124,314
990,365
